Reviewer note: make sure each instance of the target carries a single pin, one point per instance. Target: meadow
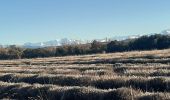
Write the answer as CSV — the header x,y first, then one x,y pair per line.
x,y
136,75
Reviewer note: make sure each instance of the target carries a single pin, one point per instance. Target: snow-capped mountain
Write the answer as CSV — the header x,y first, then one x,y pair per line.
x,y
166,32
65,41
120,38
56,42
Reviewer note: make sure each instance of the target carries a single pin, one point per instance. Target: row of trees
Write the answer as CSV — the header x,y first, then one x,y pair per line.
x,y
156,41
143,43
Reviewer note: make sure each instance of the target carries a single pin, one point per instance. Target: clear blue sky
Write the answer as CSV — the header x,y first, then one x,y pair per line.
x,y
41,20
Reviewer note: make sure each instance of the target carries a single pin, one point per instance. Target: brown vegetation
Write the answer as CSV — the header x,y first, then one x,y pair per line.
x,y
134,75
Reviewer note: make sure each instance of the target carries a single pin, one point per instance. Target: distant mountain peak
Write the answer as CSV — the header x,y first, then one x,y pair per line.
x,y
167,31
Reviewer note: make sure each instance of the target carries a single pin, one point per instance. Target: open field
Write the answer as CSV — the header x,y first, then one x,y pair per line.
x,y
143,75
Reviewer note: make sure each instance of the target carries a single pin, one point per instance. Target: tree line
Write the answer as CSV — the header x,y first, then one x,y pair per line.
x,y
156,41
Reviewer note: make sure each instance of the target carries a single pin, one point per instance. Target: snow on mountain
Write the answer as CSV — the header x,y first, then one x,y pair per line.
x,y
66,41
166,32
56,42
120,38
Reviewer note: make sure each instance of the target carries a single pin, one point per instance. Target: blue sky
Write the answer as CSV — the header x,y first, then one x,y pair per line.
x,y
42,20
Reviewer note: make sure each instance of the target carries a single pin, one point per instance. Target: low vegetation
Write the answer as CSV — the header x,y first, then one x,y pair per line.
x,y
137,75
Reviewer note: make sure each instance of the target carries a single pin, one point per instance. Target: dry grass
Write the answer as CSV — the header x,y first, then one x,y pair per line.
x,y
138,75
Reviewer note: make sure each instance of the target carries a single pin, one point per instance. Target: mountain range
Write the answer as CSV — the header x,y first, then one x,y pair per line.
x,y
57,42
65,41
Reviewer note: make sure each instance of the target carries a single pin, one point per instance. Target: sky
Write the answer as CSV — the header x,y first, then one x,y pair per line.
x,y
42,20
